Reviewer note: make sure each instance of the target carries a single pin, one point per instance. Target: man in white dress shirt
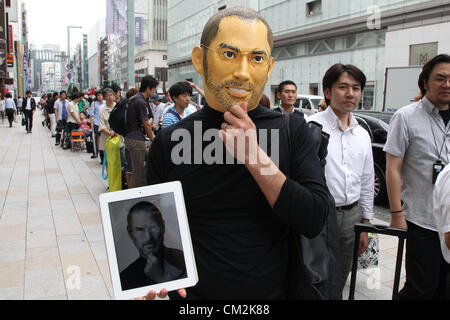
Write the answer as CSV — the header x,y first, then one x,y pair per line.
x,y
441,205
349,170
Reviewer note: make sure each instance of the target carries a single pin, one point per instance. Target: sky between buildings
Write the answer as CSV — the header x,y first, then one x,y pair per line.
x,y
48,20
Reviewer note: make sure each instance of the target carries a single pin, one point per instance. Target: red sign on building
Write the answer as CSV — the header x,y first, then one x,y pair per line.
x,y
11,40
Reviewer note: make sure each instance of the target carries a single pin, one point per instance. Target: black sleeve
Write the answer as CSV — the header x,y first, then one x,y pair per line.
x,y
156,164
304,200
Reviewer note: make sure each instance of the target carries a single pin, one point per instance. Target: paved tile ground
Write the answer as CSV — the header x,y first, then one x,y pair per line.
x,y
50,222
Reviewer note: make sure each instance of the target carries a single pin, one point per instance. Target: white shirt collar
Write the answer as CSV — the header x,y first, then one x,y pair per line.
x,y
336,124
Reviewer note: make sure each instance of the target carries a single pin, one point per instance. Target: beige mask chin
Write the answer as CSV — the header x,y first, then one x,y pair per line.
x,y
228,84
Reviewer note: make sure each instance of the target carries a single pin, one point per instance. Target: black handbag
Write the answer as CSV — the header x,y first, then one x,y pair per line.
x,y
24,122
318,259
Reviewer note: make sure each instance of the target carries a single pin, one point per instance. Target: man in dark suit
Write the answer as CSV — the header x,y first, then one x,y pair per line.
x,y
28,108
287,94
156,263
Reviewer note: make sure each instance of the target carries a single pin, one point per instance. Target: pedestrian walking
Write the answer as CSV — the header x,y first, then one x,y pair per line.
x,y
2,109
28,108
10,109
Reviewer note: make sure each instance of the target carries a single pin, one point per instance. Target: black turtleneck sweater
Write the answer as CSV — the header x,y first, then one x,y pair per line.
x,y
240,243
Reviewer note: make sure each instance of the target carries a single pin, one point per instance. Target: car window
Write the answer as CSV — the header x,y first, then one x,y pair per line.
x,y
306,104
316,102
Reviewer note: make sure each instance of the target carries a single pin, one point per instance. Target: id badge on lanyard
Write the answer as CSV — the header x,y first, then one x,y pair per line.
x,y
438,166
437,169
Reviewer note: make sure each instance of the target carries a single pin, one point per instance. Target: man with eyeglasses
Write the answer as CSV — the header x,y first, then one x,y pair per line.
x,y
417,149
244,214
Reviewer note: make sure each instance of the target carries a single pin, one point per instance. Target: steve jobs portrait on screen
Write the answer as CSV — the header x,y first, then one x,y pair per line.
x,y
156,263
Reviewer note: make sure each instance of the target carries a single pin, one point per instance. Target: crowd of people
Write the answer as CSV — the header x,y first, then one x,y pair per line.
x,y
149,112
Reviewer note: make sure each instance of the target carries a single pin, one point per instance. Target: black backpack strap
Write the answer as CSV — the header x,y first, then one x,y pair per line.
x,y
176,114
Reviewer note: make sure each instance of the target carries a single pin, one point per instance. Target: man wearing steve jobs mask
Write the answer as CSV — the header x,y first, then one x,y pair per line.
x,y
241,213
156,263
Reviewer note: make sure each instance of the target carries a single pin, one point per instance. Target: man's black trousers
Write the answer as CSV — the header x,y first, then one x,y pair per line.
x,y
426,268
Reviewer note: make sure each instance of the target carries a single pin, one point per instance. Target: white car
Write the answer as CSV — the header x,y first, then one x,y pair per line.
x,y
307,104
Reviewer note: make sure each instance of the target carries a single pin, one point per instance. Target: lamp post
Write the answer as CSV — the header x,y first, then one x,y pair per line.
x,y
131,38
68,46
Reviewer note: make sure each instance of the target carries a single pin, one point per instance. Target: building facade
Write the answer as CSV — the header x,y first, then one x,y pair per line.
x,y
48,67
150,45
95,35
310,36
14,55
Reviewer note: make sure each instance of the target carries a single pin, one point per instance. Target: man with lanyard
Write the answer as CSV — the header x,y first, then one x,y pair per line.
x,y
94,113
287,94
417,149
349,170
28,107
61,114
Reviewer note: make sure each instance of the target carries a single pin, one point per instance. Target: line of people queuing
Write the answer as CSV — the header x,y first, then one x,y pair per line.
x,y
148,113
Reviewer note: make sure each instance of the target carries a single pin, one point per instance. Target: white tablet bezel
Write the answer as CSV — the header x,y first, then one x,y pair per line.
x,y
191,270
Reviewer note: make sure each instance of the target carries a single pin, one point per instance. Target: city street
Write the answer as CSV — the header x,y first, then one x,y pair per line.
x,y
50,224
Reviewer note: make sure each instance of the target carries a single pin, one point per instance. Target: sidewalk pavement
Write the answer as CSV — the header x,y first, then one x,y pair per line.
x,y
50,221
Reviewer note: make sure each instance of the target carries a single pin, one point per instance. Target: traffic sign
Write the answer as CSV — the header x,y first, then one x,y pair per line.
x,y
69,76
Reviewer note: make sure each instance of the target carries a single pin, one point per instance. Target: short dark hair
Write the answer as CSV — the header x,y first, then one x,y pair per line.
x,y
428,68
212,26
8,95
334,73
28,92
63,92
180,88
98,92
131,93
107,90
285,83
148,207
265,102
148,82
55,94
74,96
115,88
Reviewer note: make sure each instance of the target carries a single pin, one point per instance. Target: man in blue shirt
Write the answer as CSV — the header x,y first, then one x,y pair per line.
x,y
94,112
181,93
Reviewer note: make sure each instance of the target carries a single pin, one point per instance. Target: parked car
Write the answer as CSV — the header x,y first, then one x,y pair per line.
x,y
307,104
197,99
377,130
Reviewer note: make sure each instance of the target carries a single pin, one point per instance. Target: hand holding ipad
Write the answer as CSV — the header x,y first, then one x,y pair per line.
x,y
148,240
